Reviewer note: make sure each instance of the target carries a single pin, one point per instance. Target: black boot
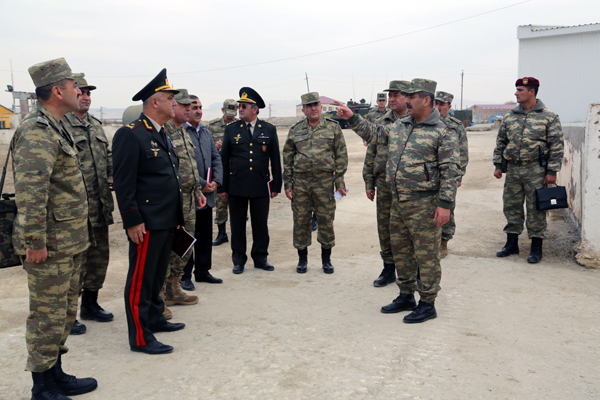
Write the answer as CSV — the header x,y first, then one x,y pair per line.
x,y
536,251
221,236
511,246
326,260
387,276
314,225
44,387
78,328
423,312
70,385
404,302
91,310
302,261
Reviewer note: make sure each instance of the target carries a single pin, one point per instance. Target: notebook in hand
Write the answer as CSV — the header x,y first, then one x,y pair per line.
x,y
182,242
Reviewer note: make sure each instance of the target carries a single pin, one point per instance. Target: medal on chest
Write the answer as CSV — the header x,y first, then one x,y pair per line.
x,y
237,138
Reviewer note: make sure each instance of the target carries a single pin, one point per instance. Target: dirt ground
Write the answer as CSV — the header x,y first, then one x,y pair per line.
x,y
506,329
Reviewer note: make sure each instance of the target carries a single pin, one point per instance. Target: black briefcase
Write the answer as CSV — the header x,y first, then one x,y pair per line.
x,y
8,210
549,198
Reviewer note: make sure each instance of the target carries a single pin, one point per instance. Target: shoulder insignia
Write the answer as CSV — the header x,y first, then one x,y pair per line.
x,y
41,121
214,121
454,119
94,118
134,124
265,122
296,124
332,120
148,127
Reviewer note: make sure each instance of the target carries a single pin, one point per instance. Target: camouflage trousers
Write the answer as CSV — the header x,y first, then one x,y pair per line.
x,y
384,204
176,263
313,193
94,263
53,294
221,210
415,239
519,185
450,227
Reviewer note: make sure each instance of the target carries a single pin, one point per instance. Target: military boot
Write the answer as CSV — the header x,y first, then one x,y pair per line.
x,y
166,312
91,310
444,248
302,261
70,385
423,312
78,328
535,256
44,387
175,296
511,246
404,302
326,260
221,236
387,276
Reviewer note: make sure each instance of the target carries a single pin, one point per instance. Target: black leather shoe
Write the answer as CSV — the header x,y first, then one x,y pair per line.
x,y
423,312
155,347
266,267
536,251
208,278
404,302
188,285
511,246
169,327
78,328
238,269
70,385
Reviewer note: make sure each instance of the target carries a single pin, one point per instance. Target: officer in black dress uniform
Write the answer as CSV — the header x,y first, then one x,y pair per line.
x,y
248,147
148,188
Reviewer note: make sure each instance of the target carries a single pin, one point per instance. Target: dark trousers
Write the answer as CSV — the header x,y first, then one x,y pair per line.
x,y
148,262
259,213
202,258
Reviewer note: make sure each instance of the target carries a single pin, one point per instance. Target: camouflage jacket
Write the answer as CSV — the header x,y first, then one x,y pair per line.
x,y
50,192
376,156
423,157
188,169
309,149
96,166
463,143
374,115
217,127
523,135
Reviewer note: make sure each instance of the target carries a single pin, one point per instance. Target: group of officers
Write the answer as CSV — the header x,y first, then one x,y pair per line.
x,y
166,168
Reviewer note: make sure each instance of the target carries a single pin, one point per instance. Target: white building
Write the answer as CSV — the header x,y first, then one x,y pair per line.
x,y
565,59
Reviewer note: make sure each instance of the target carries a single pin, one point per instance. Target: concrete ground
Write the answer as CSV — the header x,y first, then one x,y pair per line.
x,y
506,329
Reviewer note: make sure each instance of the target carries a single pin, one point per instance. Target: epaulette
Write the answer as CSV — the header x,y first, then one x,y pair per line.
x,y
134,124
97,120
232,122
265,122
296,124
214,121
454,119
41,121
332,120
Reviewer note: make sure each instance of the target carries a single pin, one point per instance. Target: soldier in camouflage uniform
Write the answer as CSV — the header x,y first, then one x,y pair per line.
x,y
51,227
315,160
374,176
443,102
217,128
96,165
171,292
530,145
422,170
381,109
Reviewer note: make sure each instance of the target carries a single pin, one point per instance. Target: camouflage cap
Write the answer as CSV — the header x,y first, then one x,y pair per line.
x,y
230,107
309,98
444,96
183,97
398,86
421,85
52,71
81,82
381,96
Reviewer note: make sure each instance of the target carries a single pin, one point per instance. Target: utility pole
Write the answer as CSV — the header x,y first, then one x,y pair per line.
x,y
307,88
269,110
462,77
101,114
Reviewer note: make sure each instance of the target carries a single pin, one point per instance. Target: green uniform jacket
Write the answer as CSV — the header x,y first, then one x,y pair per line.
x,y
96,163
188,169
463,143
523,135
50,192
217,127
423,157
321,148
377,155
374,115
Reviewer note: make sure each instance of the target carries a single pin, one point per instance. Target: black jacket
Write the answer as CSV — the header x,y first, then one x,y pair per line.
x,y
146,179
246,164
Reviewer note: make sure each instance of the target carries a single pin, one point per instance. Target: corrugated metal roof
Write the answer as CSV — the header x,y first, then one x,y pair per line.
x,y
537,28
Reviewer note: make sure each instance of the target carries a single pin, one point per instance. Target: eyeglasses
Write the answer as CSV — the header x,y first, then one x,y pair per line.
x,y
312,105
243,106
88,92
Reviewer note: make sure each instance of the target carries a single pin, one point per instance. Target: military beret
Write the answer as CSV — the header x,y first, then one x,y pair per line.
x,y
230,107
183,97
381,96
48,72
160,83
397,86
249,95
311,97
421,85
81,82
528,81
444,96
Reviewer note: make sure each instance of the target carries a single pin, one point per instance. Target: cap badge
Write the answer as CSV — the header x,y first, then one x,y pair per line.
x,y
525,80
244,95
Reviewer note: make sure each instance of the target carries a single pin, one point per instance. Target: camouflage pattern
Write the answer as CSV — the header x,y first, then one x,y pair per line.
x,y
82,82
374,115
444,96
377,155
230,107
8,211
94,262
381,96
53,295
415,239
400,86
315,161
309,98
51,71
217,129
183,97
421,85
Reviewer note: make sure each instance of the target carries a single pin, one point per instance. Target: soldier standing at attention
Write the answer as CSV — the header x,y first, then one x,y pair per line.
x,y
50,231
374,176
217,128
530,143
248,149
422,170
315,160
96,166
443,102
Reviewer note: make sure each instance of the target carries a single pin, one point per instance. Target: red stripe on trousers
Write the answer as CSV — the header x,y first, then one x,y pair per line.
x,y
136,287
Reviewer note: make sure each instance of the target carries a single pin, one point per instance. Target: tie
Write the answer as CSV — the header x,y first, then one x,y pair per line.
x,y
163,135
249,126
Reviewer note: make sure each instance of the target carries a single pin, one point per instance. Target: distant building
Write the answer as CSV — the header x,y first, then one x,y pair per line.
x,y
326,102
5,114
565,59
482,112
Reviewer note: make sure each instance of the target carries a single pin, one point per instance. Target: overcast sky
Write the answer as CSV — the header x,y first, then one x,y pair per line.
x,y
213,48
